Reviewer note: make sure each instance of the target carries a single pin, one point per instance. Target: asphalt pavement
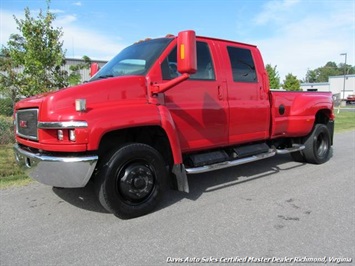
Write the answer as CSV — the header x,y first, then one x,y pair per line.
x,y
274,211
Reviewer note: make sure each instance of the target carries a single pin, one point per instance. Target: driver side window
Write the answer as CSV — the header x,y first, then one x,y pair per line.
x,y
205,70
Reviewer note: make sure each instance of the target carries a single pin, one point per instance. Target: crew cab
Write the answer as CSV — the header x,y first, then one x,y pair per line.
x,y
164,108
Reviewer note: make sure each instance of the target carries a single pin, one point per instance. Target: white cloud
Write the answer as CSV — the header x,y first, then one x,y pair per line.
x,y
274,11
56,11
78,41
309,41
7,26
77,4
35,12
65,20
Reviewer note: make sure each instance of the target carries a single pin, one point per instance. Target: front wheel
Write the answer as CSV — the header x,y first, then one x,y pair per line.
x,y
318,145
130,181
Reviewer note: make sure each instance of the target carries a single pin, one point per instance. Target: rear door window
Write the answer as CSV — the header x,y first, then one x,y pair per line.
x,y
242,63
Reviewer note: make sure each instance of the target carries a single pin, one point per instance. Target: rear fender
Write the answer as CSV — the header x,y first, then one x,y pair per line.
x,y
294,113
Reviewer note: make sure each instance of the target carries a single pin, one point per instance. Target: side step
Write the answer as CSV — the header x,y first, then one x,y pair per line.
x,y
295,147
225,164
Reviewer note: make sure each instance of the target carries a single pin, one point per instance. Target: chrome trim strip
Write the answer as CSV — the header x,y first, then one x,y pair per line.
x,y
61,125
69,172
25,136
222,165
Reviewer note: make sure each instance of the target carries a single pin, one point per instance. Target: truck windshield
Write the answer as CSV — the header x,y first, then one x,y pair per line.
x,y
133,60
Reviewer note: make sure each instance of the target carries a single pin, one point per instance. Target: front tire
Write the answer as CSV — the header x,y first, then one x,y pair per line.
x,y
130,181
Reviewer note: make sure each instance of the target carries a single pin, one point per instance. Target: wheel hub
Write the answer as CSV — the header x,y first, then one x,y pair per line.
x,y
136,182
139,183
321,145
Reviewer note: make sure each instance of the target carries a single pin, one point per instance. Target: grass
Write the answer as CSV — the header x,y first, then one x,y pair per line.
x,y
15,181
344,120
12,175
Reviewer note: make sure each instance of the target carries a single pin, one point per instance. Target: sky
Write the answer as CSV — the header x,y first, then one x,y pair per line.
x,y
294,35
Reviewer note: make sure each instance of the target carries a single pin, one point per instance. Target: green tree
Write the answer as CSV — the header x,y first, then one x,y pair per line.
x,y
291,83
311,76
274,77
75,76
349,69
330,69
37,52
10,79
322,74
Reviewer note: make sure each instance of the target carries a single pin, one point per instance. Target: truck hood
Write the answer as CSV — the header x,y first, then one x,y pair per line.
x,y
111,91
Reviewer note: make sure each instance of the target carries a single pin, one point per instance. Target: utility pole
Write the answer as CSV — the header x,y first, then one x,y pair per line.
x,y
345,54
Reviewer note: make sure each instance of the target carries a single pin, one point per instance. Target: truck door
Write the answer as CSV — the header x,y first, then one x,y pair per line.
x,y
249,107
198,105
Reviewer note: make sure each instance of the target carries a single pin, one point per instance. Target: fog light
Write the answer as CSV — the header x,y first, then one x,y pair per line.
x,y
80,105
60,134
72,136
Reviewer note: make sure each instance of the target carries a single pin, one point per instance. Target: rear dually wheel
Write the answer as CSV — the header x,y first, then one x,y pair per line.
x,y
317,146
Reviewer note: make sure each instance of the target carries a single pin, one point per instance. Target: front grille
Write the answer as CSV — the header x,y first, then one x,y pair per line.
x,y
26,123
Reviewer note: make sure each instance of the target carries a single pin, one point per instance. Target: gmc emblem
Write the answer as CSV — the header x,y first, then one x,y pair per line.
x,y
23,124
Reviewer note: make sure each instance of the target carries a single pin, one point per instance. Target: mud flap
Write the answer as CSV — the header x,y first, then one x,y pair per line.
x,y
181,177
330,126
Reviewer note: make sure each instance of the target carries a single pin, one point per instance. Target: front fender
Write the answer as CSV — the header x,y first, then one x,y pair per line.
x,y
136,116
168,125
179,171
108,119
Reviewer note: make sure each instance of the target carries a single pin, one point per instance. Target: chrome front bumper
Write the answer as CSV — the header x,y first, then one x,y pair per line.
x,y
69,172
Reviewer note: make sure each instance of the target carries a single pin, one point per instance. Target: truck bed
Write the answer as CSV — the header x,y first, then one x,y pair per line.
x,y
292,113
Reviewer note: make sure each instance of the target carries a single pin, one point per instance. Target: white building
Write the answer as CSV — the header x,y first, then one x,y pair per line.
x,y
335,85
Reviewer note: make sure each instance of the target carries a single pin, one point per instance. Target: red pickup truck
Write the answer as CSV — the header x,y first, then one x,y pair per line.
x,y
164,108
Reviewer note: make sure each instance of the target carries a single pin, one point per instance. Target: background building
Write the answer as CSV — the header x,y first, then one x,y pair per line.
x,y
85,73
335,85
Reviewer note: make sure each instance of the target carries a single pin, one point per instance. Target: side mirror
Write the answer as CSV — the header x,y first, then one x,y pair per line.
x,y
186,61
187,56
94,68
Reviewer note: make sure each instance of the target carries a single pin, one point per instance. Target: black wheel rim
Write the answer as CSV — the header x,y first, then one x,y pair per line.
x,y
321,145
136,182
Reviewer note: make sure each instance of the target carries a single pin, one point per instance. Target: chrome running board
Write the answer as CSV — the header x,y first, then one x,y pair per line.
x,y
226,164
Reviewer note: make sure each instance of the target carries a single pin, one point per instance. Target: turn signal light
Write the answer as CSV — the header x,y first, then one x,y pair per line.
x,y
72,136
60,134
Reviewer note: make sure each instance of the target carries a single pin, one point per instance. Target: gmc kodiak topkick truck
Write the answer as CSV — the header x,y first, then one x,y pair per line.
x,y
164,108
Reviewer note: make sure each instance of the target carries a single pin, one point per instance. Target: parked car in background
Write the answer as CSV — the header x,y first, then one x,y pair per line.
x,y
350,99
